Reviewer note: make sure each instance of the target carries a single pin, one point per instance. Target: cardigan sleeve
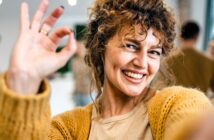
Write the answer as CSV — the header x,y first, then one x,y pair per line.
x,y
24,117
28,117
74,124
59,131
176,109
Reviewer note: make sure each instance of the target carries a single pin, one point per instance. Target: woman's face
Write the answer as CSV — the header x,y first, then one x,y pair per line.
x,y
131,61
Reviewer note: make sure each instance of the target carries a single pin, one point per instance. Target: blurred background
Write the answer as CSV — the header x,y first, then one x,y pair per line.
x,y
76,16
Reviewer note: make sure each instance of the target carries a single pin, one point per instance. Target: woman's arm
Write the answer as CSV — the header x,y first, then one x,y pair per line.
x,y
24,94
24,117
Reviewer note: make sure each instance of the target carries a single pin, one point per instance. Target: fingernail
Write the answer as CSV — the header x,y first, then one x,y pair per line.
x,y
72,31
62,7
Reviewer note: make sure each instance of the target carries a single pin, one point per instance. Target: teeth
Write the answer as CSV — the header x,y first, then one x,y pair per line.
x,y
133,75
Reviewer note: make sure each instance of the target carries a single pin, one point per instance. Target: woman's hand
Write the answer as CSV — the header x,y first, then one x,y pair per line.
x,y
33,57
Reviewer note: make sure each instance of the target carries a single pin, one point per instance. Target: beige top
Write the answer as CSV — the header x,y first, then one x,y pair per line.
x,y
130,126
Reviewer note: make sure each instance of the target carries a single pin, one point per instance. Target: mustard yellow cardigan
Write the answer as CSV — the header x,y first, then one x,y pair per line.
x,y
28,117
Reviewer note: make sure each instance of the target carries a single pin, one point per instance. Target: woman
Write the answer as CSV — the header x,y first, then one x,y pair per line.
x,y
126,40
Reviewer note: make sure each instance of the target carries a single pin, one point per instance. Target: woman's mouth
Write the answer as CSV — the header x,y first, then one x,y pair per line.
x,y
133,75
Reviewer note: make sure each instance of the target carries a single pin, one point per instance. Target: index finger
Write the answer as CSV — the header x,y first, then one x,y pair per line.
x,y
35,25
24,17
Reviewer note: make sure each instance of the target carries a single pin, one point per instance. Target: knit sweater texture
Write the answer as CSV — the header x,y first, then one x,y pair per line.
x,y
28,117
175,111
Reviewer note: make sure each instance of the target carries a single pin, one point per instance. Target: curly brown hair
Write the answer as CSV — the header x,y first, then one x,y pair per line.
x,y
107,17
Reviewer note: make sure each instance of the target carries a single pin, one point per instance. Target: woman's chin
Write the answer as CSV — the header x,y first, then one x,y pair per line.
x,y
133,93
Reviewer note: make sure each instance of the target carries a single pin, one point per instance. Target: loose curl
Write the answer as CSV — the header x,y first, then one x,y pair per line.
x,y
107,17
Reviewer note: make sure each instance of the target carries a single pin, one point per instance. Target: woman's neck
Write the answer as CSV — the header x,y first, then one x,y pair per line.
x,y
115,103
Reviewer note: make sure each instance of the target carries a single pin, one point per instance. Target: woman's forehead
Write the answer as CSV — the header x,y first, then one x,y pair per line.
x,y
137,32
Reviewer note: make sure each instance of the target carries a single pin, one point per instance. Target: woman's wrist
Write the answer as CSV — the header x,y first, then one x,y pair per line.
x,y
22,82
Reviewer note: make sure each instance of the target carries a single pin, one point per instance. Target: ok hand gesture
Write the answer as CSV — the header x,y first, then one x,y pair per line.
x,y
33,57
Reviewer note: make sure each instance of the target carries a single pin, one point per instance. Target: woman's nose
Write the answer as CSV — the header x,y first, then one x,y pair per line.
x,y
141,60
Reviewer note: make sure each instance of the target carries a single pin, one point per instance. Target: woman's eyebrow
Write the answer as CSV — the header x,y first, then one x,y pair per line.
x,y
135,41
157,46
138,42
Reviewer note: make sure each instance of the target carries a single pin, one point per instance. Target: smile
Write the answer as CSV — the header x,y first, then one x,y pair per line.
x,y
133,75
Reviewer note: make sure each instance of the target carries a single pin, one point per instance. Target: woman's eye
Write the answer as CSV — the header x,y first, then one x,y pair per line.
x,y
155,53
131,47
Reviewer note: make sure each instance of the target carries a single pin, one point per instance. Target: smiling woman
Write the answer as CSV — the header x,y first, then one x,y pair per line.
x,y
126,40
130,65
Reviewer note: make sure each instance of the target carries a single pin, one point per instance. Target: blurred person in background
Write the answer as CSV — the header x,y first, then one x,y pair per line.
x,y
83,90
189,67
190,32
